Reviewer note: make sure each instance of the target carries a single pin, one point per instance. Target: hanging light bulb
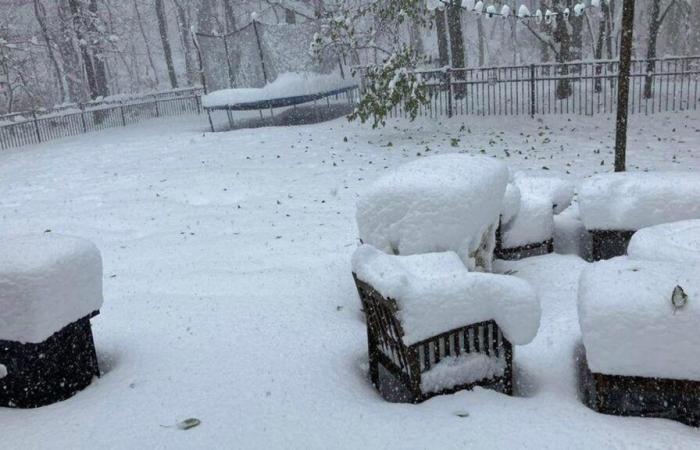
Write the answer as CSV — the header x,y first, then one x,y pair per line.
x,y
479,7
578,9
538,16
491,10
523,12
548,17
505,11
566,14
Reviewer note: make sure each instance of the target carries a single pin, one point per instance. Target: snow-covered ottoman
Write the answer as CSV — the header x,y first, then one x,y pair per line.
x,y
639,321
675,241
435,328
615,205
50,287
435,204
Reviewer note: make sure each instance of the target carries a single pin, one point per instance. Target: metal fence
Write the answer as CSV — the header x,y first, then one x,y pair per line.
x,y
35,127
586,88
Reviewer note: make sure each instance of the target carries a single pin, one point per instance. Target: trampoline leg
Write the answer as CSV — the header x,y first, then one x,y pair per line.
x,y
211,124
261,114
230,119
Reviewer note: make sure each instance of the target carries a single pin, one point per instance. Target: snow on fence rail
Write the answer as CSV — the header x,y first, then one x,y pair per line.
x,y
587,88
36,127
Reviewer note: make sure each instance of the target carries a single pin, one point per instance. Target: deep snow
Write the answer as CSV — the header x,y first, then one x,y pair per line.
x,y
228,294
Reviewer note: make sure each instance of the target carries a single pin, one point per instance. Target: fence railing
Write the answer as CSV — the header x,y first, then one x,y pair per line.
x,y
586,88
34,128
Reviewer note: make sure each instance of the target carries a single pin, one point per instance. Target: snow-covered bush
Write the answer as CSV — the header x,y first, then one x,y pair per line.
x,y
388,85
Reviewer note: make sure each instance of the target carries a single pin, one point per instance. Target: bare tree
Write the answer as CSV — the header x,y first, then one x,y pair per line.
x,y
656,18
163,30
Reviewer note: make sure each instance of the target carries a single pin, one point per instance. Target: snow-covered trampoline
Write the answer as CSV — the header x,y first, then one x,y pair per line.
x,y
263,67
287,92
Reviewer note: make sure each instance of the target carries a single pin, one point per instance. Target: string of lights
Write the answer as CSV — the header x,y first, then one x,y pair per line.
x,y
523,13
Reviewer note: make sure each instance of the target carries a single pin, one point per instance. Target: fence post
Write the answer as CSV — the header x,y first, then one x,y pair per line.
x,y
449,92
228,61
121,110
198,101
82,117
532,90
260,52
157,109
36,126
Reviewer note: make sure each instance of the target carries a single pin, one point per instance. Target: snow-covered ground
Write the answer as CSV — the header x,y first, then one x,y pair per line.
x,y
228,294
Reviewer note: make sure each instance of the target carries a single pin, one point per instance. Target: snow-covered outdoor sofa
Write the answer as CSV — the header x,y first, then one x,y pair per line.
x,y
675,241
50,287
435,328
615,205
639,322
527,221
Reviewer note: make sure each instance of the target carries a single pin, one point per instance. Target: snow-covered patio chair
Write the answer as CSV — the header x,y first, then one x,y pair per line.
x,y
615,205
527,221
50,287
641,346
435,328
436,204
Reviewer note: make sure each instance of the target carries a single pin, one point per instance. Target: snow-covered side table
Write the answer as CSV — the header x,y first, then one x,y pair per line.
x,y
675,241
641,346
435,328
615,205
50,287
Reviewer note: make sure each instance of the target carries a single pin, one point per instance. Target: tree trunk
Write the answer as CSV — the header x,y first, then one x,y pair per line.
x,y
183,29
163,29
40,14
441,31
78,24
230,16
561,35
654,24
481,42
603,37
545,28
96,52
454,26
147,44
624,84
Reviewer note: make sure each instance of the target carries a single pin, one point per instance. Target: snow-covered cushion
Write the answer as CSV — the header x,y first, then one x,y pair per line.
x,y
634,200
557,191
435,204
435,293
46,282
676,241
533,224
629,323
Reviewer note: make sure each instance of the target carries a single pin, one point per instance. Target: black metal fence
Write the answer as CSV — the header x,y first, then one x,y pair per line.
x,y
35,127
586,88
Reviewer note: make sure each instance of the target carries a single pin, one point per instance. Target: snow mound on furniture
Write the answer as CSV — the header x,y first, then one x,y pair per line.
x,y
676,241
629,323
288,84
466,368
559,192
435,293
570,236
532,224
511,203
631,201
46,282
434,204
